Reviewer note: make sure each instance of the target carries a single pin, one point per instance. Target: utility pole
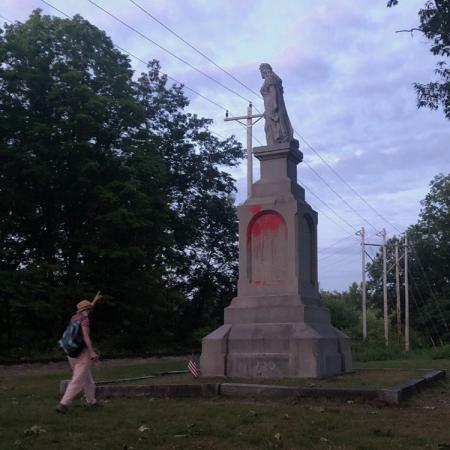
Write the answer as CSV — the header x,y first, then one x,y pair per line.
x,y
363,273
406,294
397,294
385,306
249,125
364,244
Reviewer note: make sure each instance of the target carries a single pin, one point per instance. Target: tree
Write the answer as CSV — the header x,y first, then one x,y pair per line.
x,y
201,263
435,25
81,193
429,265
345,309
106,182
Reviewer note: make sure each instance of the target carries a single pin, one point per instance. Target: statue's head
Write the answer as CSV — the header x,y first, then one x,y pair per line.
x,y
265,69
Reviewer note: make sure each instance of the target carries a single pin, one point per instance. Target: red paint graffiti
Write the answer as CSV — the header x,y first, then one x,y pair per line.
x,y
268,222
255,209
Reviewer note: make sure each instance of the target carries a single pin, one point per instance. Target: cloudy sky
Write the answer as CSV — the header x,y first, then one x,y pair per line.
x,y
348,81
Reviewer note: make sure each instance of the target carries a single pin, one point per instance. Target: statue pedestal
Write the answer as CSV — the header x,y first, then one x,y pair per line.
x,y
277,326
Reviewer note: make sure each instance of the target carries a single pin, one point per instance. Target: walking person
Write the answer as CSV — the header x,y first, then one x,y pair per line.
x,y
81,365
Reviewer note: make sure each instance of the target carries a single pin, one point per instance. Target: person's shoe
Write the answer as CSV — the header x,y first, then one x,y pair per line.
x,y
61,409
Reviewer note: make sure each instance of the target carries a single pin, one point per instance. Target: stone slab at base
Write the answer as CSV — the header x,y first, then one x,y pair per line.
x,y
275,350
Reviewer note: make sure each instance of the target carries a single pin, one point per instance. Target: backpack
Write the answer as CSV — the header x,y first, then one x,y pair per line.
x,y
72,341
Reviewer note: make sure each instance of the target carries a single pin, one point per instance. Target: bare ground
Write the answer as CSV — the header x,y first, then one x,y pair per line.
x,y
63,366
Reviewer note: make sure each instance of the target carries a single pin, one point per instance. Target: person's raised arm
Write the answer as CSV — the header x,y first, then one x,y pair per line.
x,y
97,298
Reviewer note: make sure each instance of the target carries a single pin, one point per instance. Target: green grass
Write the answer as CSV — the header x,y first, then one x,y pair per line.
x,y
29,400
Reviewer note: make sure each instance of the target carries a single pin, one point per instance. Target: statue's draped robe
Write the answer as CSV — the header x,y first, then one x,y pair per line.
x,y
278,126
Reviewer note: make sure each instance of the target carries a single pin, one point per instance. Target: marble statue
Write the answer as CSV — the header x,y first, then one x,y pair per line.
x,y
278,126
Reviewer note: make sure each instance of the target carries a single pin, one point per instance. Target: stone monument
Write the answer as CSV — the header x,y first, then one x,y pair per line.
x,y
277,325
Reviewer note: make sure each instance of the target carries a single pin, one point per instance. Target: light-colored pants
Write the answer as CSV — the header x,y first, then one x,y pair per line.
x,y
81,379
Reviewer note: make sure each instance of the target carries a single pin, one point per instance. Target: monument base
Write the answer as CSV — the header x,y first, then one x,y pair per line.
x,y
275,350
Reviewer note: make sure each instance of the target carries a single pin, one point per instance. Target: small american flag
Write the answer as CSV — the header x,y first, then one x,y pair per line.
x,y
193,368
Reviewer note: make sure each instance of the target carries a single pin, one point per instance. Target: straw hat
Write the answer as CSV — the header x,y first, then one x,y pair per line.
x,y
83,305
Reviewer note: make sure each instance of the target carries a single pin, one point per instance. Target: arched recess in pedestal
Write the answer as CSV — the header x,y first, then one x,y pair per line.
x,y
267,249
308,251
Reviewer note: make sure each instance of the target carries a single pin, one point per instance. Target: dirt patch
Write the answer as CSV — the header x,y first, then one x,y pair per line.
x,y
63,366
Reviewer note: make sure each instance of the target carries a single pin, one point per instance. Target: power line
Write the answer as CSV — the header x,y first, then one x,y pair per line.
x,y
425,276
211,101
322,201
146,63
232,91
335,243
433,295
298,134
257,94
240,96
56,9
324,214
345,182
4,18
220,106
168,51
339,195
176,81
337,250
333,264
327,266
259,97
425,323
196,92
219,135
329,207
159,71
216,81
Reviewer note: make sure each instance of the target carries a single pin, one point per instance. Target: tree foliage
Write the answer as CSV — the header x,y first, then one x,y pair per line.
x,y
345,309
106,182
435,25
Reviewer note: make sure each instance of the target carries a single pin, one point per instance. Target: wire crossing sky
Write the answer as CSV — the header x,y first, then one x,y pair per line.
x,y
369,153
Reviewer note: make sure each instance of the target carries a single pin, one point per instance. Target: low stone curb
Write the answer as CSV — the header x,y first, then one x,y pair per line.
x,y
392,396
160,391
270,391
403,391
152,390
